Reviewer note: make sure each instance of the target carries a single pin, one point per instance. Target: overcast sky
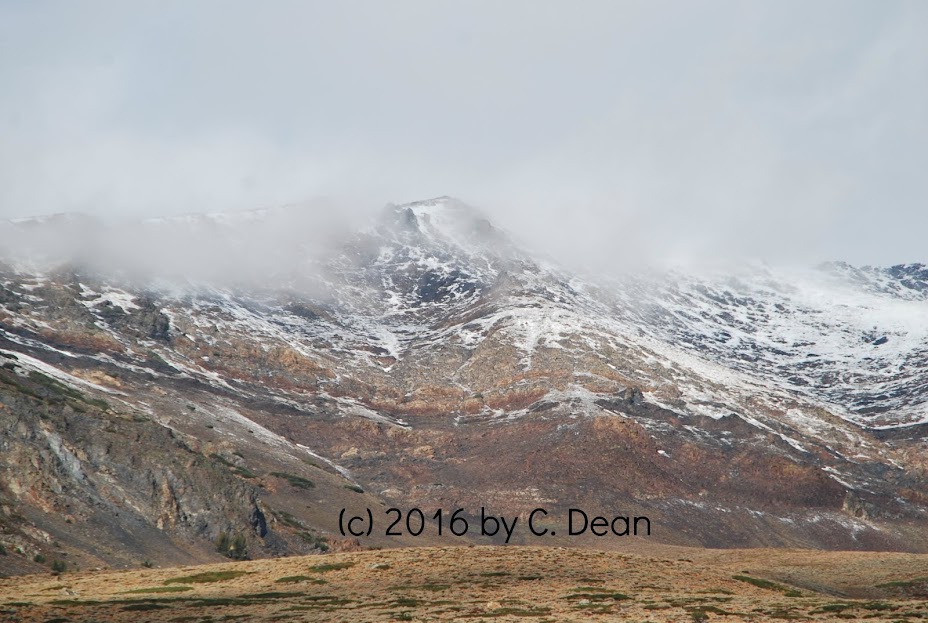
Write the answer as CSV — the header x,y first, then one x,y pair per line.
x,y
783,130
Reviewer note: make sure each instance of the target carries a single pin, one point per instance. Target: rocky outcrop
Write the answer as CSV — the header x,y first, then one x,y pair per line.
x,y
74,465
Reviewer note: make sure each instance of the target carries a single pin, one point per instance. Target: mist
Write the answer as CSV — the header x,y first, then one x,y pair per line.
x,y
608,134
265,250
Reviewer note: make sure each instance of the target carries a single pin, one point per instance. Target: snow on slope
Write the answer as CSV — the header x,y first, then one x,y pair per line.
x,y
854,341
436,272
861,350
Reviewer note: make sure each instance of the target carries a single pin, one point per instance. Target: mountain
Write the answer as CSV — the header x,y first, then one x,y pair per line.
x,y
240,378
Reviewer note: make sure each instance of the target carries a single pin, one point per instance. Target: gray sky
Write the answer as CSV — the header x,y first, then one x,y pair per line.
x,y
605,131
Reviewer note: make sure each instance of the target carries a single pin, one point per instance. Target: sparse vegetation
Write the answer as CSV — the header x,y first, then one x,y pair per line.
x,y
331,566
238,469
244,472
768,585
59,388
315,540
838,606
354,488
566,585
52,391
288,520
705,610
698,616
59,566
143,607
235,547
904,583
239,548
294,579
221,459
598,595
161,589
517,612
208,576
39,558
295,481
222,543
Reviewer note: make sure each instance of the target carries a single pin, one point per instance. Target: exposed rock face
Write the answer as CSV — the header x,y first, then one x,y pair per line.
x,y
104,477
428,362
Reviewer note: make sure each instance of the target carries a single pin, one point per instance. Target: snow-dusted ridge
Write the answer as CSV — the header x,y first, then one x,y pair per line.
x,y
428,347
431,273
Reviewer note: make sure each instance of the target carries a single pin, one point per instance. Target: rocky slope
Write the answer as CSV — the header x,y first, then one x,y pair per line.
x,y
429,362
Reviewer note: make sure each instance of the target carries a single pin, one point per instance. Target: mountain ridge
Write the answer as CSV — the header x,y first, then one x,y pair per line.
x,y
429,361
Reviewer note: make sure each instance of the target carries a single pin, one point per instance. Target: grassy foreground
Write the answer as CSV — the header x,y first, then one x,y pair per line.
x,y
492,584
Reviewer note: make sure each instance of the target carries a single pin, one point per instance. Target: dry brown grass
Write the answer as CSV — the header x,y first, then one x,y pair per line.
x,y
493,584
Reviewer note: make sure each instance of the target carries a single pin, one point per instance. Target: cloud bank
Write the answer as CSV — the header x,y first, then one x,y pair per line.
x,y
605,132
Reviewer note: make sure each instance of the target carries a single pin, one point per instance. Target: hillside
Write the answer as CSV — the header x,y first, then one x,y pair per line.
x,y
250,391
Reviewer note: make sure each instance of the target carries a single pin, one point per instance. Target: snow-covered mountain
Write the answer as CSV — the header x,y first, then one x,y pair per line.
x,y
432,362
855,341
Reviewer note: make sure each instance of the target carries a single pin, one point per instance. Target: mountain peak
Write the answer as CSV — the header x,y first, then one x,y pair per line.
x,y
443,200
447,220
426,348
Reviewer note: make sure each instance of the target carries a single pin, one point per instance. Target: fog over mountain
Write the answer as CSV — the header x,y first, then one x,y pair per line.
x,y
427,360
268,273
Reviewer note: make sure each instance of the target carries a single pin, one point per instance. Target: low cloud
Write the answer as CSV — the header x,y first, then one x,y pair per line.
x,y
605,133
